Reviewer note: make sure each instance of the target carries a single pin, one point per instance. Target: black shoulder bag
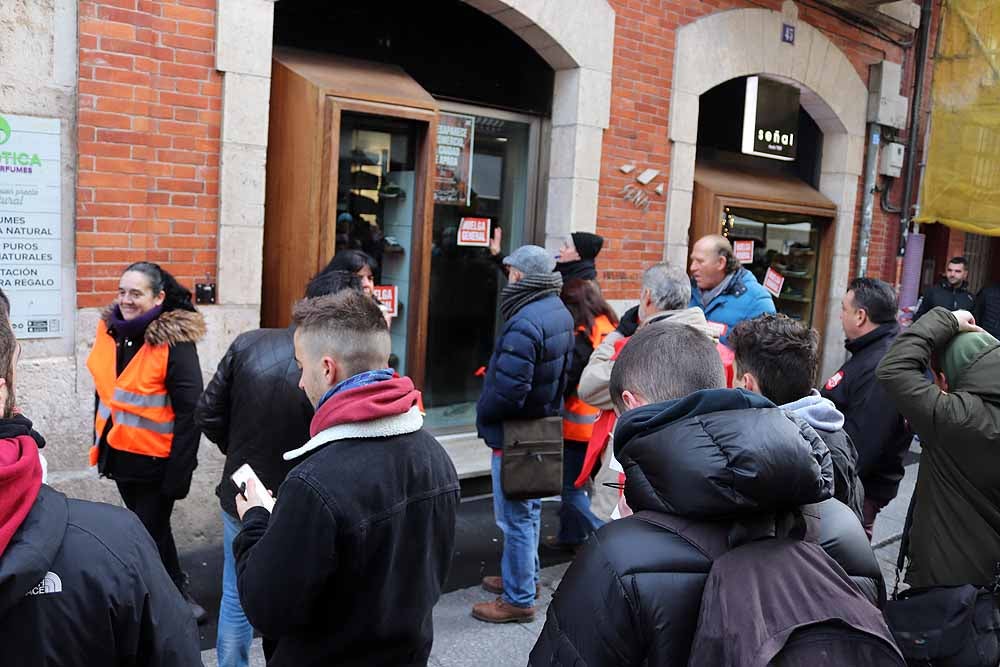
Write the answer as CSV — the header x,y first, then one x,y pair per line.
x,y
944,626
532,464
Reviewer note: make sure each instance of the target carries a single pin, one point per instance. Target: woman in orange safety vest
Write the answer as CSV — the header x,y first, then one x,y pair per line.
x,y
593,319
148,379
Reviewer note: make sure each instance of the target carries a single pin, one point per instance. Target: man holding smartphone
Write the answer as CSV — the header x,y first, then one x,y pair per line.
x,y
347,569
254,410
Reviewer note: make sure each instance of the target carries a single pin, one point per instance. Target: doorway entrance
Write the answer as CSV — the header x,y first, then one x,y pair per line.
x,y
400,176
465,280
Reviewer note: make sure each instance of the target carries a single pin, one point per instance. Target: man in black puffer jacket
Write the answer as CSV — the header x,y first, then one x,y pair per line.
x,y
694,450
254,411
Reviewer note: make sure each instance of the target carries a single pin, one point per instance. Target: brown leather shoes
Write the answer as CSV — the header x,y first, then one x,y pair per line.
x,y
495,585
499,611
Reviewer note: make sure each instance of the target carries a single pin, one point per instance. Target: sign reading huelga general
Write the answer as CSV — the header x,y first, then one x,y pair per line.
x,y
770,119
30,228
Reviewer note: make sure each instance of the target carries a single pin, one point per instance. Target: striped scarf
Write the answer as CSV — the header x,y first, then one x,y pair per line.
x,y
531,287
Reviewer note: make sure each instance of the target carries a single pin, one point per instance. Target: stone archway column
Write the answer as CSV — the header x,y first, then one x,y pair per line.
x,y
744,42
244,37
579,46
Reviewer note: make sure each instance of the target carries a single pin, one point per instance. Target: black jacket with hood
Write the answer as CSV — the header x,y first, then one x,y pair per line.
x,y
632,596
828,422
180,329
254,410
877,429
82,584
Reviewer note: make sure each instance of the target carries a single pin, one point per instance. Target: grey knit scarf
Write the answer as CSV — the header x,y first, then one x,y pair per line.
x,y
531,287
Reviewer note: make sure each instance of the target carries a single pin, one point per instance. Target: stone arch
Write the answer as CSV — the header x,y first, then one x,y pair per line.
x,y
744,42
579,45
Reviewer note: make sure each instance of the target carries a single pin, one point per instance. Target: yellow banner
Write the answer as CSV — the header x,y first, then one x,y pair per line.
x,y
961,185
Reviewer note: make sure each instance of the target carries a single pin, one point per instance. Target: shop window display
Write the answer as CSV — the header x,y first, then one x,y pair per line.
x,y
786,245
376,175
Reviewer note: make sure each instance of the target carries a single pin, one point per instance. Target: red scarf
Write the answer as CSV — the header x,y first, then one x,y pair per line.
x,y
20,480
361,404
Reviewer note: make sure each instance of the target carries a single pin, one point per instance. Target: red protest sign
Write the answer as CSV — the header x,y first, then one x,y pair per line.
x,y
773,282
474,232
388,296
743,251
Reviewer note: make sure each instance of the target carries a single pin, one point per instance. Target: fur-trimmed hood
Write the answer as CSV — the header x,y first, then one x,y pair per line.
x,y
171,327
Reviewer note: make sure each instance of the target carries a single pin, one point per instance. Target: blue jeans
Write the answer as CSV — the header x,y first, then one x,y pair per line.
x,y
576,521
232,643
520,521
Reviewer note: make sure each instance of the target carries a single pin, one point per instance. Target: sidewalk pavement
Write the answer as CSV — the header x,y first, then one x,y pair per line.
x,y
462,641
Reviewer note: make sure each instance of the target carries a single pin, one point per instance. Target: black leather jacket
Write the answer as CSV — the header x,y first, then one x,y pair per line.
x,y
254,410
633,594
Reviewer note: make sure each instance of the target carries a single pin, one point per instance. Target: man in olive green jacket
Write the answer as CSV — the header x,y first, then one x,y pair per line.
x,y
955,536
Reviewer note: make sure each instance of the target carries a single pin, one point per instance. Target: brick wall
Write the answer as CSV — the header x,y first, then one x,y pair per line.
x,y
150,105
640,109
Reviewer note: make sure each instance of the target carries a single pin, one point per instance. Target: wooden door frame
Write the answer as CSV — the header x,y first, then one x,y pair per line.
x,y
418,303
709,207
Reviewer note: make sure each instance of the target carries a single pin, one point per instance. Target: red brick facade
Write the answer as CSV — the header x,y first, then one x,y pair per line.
x,y
149,136
150,103
640,109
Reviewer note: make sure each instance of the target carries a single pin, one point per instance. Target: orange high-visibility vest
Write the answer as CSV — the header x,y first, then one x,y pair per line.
x,y
579,417
137,400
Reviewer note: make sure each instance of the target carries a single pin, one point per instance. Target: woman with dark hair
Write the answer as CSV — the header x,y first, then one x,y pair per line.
x,y
357,262
593,319
148,380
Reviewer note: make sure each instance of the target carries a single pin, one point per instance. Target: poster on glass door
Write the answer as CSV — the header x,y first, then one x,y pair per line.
x,y
30,224
453,159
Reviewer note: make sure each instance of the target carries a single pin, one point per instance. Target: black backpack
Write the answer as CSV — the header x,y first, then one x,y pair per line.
x,y
779,602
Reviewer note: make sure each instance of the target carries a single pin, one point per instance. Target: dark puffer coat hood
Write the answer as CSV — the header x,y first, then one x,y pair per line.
x,y
720,453
632,595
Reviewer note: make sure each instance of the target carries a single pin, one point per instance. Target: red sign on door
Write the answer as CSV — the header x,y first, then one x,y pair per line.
x,y
773,282
743,251
474,232
388,296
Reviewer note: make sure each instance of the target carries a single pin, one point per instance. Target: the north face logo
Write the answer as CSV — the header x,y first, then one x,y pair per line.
x,y
50,583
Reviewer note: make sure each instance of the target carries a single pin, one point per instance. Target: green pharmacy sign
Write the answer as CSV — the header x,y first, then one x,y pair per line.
x,y
4,130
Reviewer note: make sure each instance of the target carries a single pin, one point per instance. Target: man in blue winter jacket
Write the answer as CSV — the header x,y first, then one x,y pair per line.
x,y
525,380
721,287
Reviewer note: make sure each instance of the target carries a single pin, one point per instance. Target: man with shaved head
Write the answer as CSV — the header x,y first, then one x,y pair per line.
x,y
721,287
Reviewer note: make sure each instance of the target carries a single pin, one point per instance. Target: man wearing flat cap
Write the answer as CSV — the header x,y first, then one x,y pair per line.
x,y
525,380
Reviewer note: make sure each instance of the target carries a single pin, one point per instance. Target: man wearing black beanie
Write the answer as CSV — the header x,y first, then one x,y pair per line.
x,y
576,257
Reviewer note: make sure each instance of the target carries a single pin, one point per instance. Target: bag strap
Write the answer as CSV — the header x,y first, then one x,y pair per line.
x,y
904,543
711,539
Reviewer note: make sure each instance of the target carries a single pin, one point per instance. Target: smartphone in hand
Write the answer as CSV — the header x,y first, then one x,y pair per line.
x,y
240,478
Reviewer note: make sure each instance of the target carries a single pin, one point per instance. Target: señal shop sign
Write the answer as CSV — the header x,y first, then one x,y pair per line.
x,y
770,119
